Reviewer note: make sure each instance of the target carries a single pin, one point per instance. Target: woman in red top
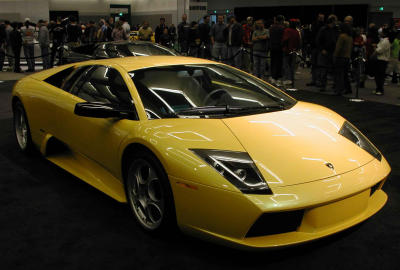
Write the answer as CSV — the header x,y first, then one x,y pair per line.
x,y
291,43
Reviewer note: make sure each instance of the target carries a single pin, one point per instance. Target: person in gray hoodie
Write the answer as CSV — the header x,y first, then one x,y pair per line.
x,y
44,42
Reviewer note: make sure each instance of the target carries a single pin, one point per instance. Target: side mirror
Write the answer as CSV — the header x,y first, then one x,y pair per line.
x,y
102,110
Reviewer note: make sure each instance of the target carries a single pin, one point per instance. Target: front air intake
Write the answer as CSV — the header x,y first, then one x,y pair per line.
x,y
274,223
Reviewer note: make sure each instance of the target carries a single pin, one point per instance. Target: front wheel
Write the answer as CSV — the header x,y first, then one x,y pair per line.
x,y
21,128
149,193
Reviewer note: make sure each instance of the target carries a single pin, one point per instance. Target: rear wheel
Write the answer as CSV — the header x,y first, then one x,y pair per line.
x,y
21,128
149,193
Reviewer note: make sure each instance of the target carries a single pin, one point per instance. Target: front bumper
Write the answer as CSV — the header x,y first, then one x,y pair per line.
x,y
329,205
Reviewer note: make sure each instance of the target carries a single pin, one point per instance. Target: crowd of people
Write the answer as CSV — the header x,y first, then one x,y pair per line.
x,y
50,36
271,49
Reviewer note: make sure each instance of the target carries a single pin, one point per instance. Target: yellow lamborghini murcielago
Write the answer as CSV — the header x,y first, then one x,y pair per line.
x,y
186,141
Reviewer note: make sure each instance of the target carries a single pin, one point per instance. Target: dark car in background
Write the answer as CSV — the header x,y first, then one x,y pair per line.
x,y
113,49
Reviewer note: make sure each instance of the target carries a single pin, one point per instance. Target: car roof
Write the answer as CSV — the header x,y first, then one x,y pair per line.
x,y
130,63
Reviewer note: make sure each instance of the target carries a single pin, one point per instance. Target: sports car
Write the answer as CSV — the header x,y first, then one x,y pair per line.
x,y
203,146
112,49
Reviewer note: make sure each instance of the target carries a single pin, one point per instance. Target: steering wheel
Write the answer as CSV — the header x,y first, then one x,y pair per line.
x,y
213,92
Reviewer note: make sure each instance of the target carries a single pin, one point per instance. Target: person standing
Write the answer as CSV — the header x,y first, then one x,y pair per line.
x,y
160,30
172,34
28,36
247,43
91,32
291,44
205,41
111,22
58,32
358,57
183,35
74,32
145,32
194,39
341,60
16,44
125,26
8,48
394,62
235,37
372,41
315,27
118,33
276,34
326,43
2,44
383,56
259,41
165,38
218,39
44,42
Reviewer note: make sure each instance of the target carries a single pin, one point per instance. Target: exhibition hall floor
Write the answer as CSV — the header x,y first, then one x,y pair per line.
x,y
51,220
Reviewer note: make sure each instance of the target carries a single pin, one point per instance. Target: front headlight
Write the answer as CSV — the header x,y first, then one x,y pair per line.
x,y
354,135
238,168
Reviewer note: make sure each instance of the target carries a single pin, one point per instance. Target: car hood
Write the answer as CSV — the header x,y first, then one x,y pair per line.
x,y
294,146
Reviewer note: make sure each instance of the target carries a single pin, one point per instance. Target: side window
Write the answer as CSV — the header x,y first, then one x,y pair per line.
x,y
73,78
59,78
105,84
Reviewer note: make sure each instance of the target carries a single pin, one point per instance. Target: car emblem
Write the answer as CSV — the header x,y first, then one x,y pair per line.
x,y
330,165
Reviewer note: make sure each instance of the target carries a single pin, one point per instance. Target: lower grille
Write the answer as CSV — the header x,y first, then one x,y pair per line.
x,y
274,223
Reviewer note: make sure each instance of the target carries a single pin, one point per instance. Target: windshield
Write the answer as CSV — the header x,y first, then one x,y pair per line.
x,y
205,90
133,49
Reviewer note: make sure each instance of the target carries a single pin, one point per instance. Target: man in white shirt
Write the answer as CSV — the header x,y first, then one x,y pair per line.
x,y
383,55
125,26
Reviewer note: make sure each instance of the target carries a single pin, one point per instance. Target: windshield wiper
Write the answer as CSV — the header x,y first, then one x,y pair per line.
x,y
226,109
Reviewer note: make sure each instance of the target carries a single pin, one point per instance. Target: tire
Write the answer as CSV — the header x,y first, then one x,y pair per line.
x,y
21,128
149,193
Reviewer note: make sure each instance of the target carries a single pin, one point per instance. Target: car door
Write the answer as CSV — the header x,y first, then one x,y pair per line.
x,y
96,138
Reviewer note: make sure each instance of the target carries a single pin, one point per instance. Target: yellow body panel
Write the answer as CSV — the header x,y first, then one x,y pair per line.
x,y
289,148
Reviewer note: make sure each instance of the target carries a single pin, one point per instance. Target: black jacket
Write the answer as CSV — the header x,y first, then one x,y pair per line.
x,y
326,39
15,39
237,35
159,31
275,36
204,32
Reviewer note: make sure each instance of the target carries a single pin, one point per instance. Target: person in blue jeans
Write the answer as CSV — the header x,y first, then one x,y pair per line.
x,y
28,33
259,39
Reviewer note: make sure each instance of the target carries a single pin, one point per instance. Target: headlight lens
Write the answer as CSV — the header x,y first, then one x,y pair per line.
x,y
351,133
238,168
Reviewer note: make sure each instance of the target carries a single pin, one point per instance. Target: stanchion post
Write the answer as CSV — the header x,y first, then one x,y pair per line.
x,y
293,55
359,61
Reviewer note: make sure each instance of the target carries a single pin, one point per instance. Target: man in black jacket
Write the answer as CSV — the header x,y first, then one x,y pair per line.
x,y
234,42
160,30
315,27
183,35
58,34
205,42
275,34
16,44
326,44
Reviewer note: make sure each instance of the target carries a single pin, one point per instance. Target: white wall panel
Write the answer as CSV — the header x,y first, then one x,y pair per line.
x,y
35,10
